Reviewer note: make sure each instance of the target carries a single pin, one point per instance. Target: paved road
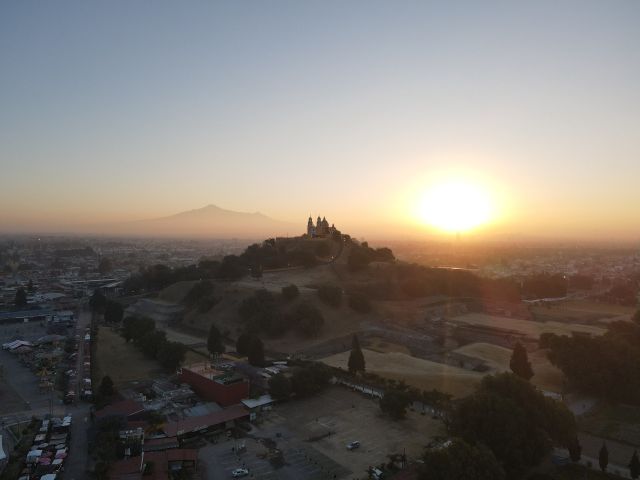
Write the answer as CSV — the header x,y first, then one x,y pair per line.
x,y
77,463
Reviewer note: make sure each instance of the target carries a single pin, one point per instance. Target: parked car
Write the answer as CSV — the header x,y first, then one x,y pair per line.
x,y
353,445
240,472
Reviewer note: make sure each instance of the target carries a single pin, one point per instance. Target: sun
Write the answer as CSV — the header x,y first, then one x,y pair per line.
x,y
455,206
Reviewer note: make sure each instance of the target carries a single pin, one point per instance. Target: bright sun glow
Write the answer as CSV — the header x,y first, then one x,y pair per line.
x,y
455,206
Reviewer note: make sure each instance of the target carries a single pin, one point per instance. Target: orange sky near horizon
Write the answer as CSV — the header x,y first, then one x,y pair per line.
x,y
116,112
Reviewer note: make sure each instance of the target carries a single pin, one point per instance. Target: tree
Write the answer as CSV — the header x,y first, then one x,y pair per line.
x,y
359,303
290,292
21,298
634,466
152,343
394,403
310,379
331,295
134,328
106,387
197,293
171,355
356,357
232,268
309,319
105,266
280,386
603,457
575,450
243,343
214,341
515,420
256,352
113,312
97,302
460,461
519,363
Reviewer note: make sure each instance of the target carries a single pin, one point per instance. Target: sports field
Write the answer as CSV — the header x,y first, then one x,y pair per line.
x,y
526,327
422,374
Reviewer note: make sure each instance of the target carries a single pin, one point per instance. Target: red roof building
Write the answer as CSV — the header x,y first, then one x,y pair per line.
x,y
213,385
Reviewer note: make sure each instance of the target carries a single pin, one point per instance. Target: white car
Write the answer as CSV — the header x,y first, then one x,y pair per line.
x,y
353,445
240,472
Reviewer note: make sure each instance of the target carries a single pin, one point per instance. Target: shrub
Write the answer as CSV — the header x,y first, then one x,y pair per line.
x,y
290,292
359,303
331,295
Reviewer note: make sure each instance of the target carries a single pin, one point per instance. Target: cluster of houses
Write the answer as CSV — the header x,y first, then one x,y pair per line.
x,y
48,454
203,401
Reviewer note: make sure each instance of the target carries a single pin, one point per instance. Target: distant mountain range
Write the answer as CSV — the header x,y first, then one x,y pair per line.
x,y
214,222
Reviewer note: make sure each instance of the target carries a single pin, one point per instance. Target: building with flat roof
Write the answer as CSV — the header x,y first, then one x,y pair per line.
x,y
223,387
214,421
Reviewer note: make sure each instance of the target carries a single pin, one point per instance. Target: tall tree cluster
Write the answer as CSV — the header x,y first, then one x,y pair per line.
x,y
514,420
153,343
519,363
612,374
356,357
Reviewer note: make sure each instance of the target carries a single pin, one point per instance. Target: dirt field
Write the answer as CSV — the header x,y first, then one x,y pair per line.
x,y
547,377
420,373
348,416
526,327
381,345
496,357
120,360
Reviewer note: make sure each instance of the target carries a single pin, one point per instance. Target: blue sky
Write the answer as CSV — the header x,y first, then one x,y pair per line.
x,y
121,110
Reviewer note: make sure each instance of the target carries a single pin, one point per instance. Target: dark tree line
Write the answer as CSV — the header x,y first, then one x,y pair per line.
x,y
331,295
607,366
458,460
252,347
361,255
264,313
545,286
153,343
514,420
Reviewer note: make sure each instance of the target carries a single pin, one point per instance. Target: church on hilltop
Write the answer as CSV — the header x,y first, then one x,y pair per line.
x,y
320,229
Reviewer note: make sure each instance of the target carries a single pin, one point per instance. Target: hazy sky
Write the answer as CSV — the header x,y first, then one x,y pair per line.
x,y
121,110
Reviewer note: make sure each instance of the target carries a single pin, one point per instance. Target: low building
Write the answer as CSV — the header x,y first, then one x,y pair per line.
x,y
24,316
258,405
221,420
223,387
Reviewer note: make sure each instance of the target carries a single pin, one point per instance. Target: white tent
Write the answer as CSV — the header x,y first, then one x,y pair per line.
x,y
3,456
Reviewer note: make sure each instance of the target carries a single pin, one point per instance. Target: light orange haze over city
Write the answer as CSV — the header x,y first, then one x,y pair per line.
x,y
370,115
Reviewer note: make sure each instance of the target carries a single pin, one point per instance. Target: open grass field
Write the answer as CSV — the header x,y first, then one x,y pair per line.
x,y
381,345
10,400
547,377
496,357
582,311
422,374
120,360
525,327
596,307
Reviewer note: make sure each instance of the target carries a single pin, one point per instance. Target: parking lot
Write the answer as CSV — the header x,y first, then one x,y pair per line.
x,y
313,434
